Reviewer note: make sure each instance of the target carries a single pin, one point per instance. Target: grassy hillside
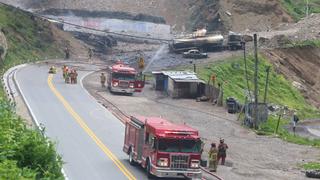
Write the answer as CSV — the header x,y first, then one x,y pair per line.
x,y
25,153
231,73
297,8
29,38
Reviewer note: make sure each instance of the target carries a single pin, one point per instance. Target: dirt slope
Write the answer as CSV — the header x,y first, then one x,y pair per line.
x,y
301,66
255,15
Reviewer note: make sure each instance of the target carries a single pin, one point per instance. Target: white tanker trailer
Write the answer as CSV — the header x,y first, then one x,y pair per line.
x,y
214,42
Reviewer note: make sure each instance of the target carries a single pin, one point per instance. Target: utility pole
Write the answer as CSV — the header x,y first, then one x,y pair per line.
x,y
307,8
267,84
243,43
256,115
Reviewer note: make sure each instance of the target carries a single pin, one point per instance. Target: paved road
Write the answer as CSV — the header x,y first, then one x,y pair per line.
x,y
88,137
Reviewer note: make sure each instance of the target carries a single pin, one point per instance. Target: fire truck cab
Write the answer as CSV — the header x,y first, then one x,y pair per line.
x,y
123,79
164,149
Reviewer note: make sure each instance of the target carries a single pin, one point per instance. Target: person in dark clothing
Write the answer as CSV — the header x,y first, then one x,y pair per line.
x,y
90,53
222,151
295,120
67,53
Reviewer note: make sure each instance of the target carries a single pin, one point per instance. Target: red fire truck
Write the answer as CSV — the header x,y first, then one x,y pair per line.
x,y
164,149
124,79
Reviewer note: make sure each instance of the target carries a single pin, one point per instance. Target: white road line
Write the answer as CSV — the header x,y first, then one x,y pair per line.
x,y
315,132
81,83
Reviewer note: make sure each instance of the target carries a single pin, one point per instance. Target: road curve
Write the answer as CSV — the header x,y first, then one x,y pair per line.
x,y
88,136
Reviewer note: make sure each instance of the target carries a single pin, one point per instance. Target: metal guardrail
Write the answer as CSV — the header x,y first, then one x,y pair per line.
x,y
9,84
12,89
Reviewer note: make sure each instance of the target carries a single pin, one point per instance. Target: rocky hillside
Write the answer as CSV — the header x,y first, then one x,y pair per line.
x,y
237,15
301,66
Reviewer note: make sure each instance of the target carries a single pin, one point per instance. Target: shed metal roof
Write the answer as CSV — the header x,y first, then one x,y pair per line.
x,y
181,76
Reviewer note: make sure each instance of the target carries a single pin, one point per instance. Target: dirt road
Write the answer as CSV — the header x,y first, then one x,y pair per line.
x,y
249,156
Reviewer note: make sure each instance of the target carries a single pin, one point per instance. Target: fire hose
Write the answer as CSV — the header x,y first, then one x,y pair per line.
x,y
210,173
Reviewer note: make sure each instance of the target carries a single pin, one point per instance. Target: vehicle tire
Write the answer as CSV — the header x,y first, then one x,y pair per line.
x,y
148,169
131,160
313,174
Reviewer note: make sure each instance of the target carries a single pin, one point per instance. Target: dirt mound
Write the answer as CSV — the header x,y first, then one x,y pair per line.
x,y
301,66
64,39
254,15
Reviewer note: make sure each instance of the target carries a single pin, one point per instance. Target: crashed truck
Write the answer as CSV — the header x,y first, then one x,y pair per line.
x,y
164,149
206,42
122,78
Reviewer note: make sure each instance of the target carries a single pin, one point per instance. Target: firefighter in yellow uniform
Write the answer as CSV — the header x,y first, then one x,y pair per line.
x,y
213,154
141,63
102,80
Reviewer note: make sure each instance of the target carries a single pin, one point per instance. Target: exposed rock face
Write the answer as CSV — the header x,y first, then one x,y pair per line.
x,y
3,45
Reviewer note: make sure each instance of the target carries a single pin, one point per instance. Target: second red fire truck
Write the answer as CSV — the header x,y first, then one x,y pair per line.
x,y
124,79
164,149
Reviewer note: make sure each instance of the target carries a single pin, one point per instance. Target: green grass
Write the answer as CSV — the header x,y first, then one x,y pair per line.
x,y
311,166
29,38
297,8
24,152
310,43
269,128
231,74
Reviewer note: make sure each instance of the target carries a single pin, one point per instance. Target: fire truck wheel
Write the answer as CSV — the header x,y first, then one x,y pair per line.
x,y
150,176
131,160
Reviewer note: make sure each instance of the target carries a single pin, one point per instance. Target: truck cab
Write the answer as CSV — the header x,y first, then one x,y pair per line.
x,y
234,41
164,149
123,79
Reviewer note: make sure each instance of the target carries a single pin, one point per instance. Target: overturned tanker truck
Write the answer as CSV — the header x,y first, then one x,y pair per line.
x,y
204,42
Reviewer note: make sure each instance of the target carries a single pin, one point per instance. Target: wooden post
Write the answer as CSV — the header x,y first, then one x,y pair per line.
x,y
278,123
255,122
266,86
246,67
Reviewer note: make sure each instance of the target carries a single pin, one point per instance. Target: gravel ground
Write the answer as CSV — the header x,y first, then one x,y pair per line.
x,y
249,156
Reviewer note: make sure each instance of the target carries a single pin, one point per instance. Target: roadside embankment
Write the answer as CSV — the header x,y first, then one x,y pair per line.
x,y
25,152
